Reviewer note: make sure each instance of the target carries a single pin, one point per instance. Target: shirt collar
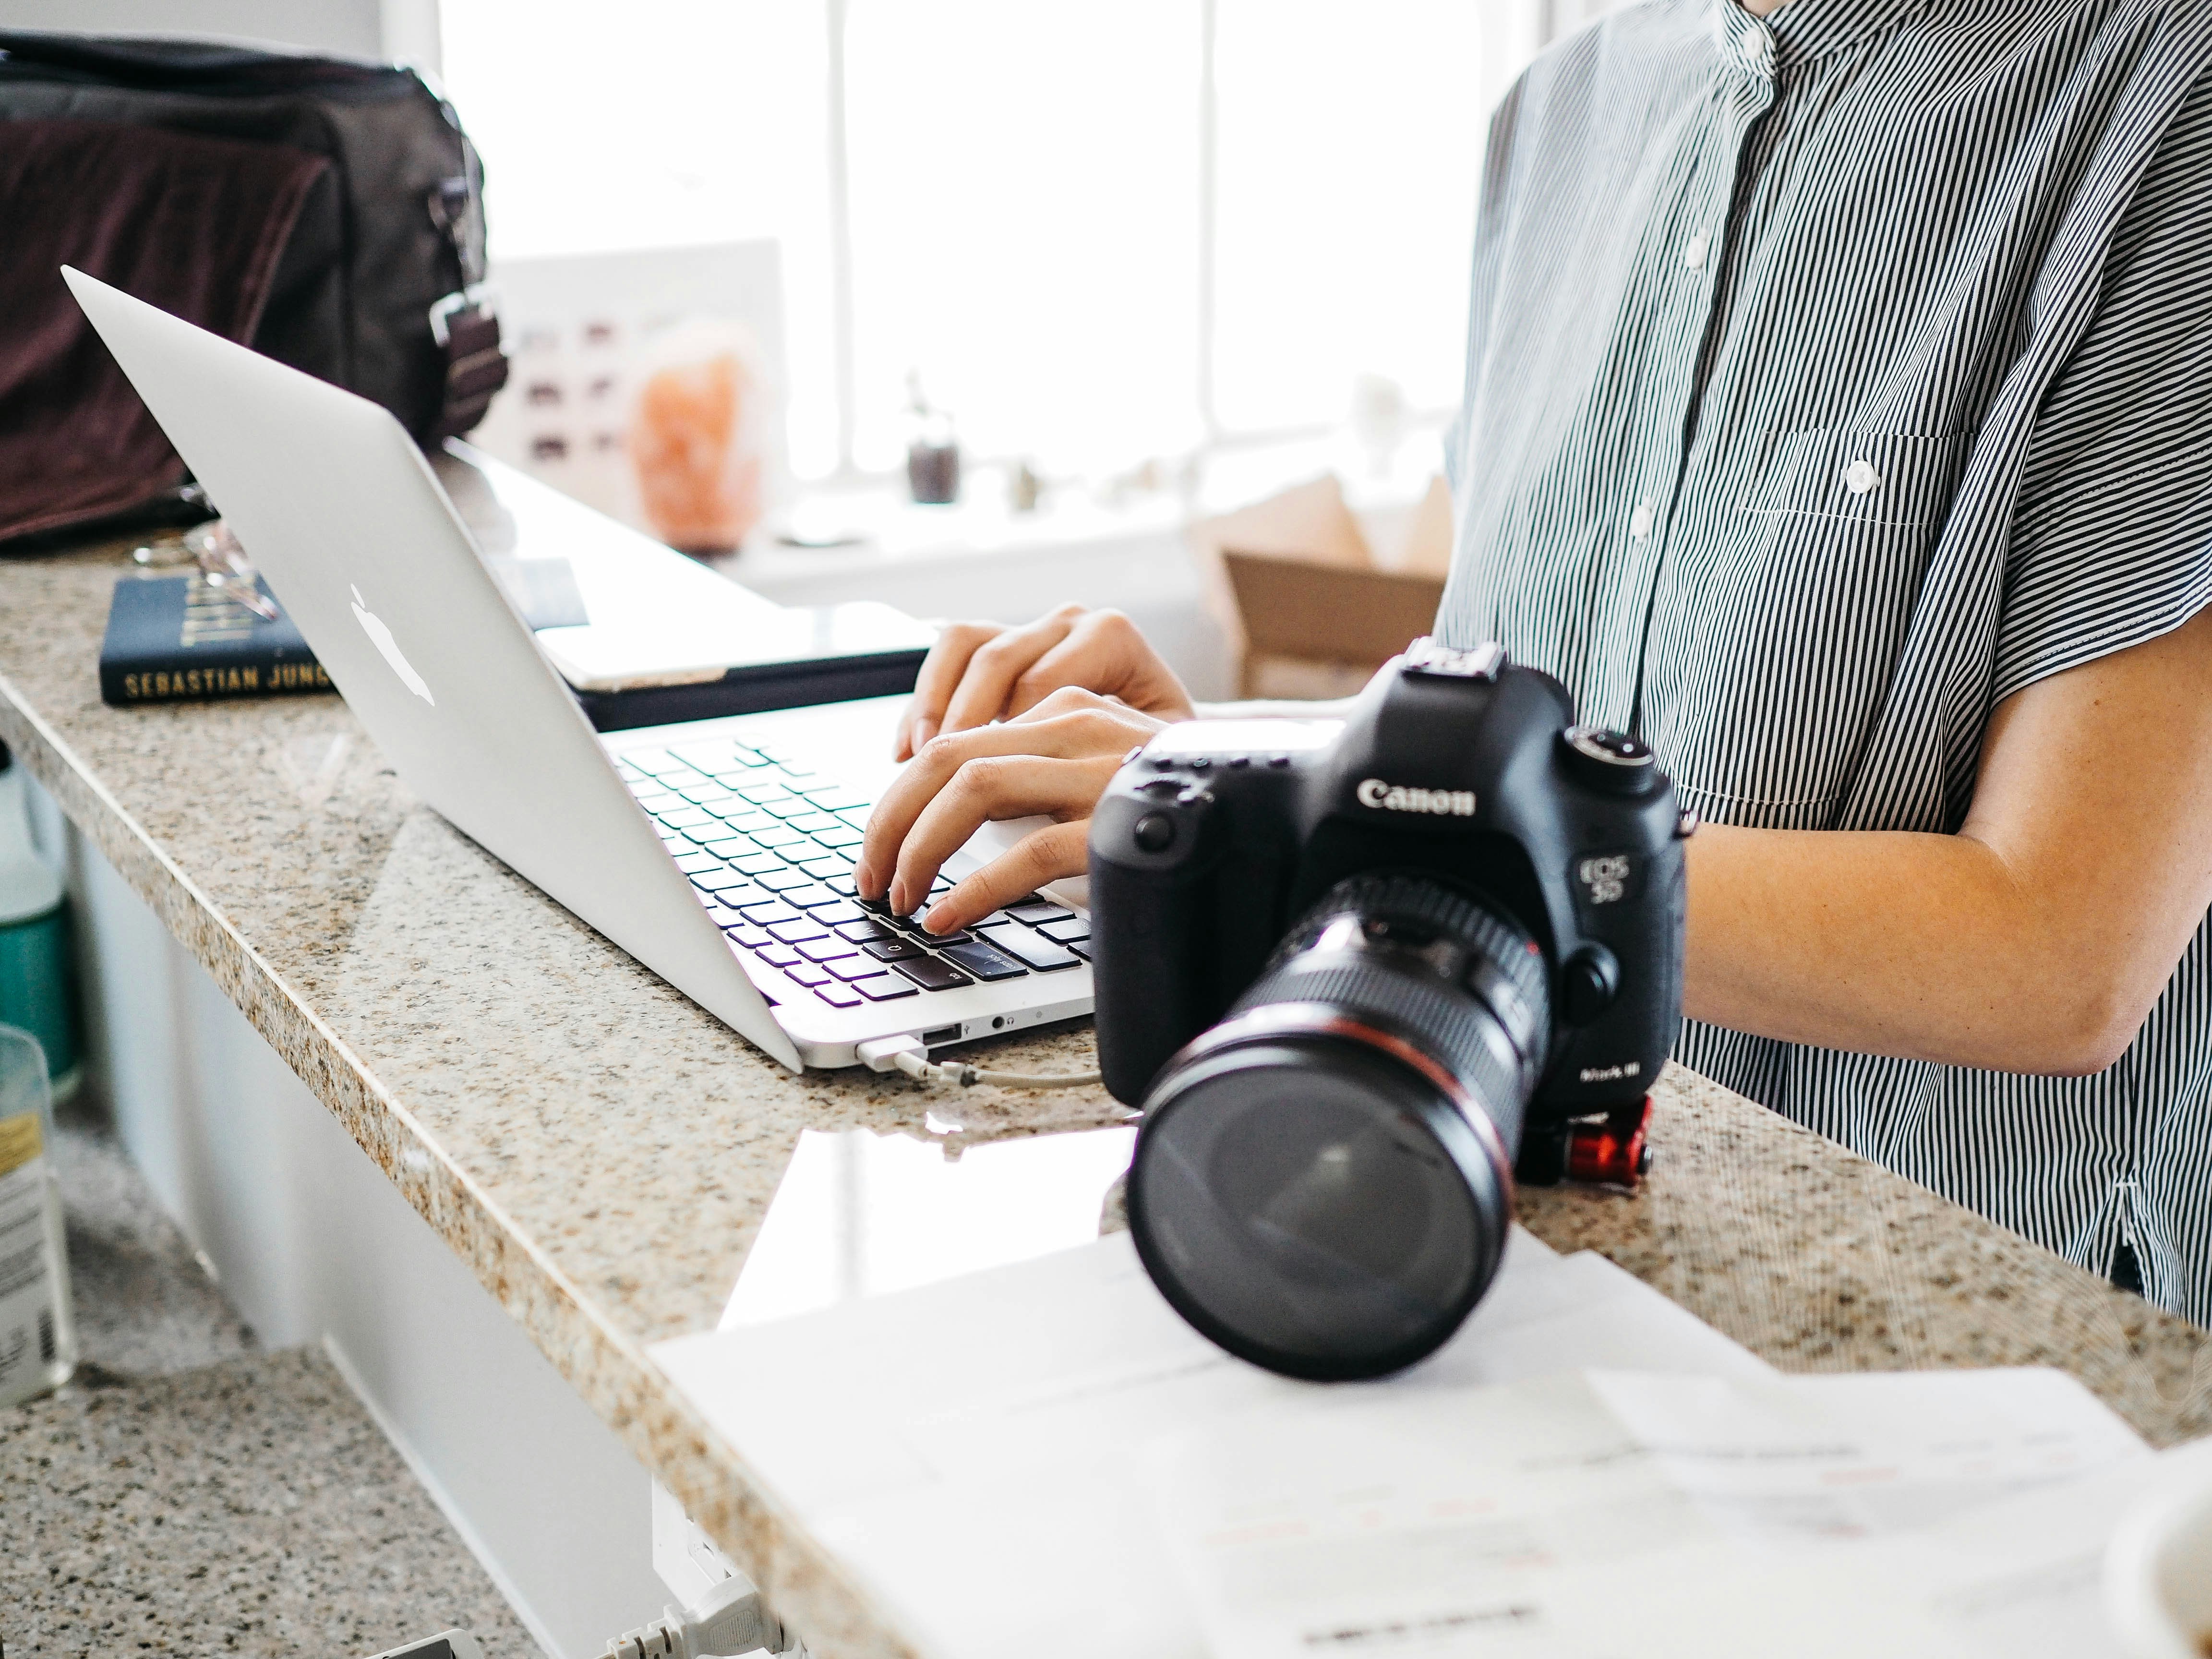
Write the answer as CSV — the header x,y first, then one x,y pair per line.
x,y
1801,30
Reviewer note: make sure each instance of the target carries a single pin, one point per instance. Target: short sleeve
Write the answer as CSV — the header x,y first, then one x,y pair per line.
x,y
2112,538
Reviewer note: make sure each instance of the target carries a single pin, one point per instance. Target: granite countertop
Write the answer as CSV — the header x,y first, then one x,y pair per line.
x,y
602,1153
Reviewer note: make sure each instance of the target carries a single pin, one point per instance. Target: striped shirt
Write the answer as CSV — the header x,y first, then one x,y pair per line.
x,y
1831,377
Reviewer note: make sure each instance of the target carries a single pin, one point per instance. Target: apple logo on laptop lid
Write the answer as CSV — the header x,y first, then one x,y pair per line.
x,y
380,638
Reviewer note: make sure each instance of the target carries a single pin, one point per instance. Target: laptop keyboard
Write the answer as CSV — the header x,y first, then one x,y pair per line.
x,y
768,844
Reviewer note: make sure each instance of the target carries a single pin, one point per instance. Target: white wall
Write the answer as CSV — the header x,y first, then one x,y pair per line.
x,y
404,30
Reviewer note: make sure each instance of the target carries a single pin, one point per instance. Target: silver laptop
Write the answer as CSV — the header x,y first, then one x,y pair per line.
x,y
718,853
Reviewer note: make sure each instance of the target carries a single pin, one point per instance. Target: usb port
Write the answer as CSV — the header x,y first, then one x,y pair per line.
x,y
942,1034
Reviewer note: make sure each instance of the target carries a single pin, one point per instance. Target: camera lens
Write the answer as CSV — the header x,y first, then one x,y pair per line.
x,y
1323,1181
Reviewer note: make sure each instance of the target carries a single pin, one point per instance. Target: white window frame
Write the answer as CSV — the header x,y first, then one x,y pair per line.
x,y
1550,19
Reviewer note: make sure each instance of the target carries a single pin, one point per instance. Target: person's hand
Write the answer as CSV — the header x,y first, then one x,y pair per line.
x,y
1057,759
978,673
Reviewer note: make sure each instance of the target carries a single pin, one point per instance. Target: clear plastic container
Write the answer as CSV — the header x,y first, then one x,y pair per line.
x,y
38,1340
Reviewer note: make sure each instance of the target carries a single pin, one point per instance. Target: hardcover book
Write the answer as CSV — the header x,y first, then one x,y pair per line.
x,y
174,639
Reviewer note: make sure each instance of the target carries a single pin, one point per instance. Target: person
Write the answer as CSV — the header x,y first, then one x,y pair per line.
x,y
1838,418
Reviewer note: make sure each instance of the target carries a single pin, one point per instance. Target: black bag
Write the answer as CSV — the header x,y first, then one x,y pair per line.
x,y
380,287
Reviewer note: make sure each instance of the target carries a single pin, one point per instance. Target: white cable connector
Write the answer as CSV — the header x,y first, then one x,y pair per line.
x,y
907,1054
730,1618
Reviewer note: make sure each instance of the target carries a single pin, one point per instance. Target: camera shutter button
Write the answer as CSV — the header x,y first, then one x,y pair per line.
x,y
1590,979
1155,832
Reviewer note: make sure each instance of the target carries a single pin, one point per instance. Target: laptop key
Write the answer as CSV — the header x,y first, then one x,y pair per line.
x,y
1073,931
798,933
825,949
839,838
751,937
931,975
835,913
983,961
836,995
718,913
861,930
1035,912
728,845
810,896
777,955
854,967
810,823
883,987
776,836
892,949
767,912
823,866
777,880
805,972
837,797
692,863
758,864
1028,950
722,881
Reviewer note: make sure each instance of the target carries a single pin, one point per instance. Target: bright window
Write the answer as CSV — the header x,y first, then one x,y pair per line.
x,y
1097,234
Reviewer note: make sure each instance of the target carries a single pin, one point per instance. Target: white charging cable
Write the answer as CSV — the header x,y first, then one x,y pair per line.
x,y
730,1618
906,1053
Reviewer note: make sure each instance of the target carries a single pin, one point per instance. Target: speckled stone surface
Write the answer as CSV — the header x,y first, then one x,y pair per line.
x,y
248,1509
602,1153
144,1305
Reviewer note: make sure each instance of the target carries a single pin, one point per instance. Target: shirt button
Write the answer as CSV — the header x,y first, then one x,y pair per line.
x,y
1641,520
1757,51
1860,478
1695,250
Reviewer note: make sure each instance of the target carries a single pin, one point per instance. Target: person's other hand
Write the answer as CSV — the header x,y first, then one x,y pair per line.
x,y
978,673
1057,758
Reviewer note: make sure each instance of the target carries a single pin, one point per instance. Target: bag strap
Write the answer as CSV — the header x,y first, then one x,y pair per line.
x,y
465,323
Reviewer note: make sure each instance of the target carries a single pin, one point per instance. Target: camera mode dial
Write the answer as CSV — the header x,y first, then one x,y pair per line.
x,y
1607,760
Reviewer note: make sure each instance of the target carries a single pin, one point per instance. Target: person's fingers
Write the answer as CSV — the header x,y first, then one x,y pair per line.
x,y
1068,700
1104,652
1077,732
933,685
1048,854
980,697
990,787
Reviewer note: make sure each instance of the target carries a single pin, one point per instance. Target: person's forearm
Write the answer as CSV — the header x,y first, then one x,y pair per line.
x,y
1924,946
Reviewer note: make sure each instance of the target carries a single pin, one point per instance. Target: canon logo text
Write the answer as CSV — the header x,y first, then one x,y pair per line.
x,y
1396,798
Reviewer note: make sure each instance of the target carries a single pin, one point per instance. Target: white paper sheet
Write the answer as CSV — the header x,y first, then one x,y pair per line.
x,y
974,1449
1609,1514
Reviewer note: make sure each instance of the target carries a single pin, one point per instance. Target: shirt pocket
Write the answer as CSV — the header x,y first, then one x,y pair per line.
x,y
1780,614
1887,479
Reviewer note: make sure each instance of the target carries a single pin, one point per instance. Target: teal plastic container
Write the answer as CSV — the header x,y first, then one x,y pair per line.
x,y
37,992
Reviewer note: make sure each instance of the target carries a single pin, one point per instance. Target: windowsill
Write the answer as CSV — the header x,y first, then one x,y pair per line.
x,y
852,530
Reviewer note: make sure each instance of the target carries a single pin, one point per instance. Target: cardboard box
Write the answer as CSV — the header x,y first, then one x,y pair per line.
x,y
1309,608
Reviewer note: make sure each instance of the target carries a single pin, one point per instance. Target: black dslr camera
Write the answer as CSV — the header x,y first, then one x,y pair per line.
x,y
1360,978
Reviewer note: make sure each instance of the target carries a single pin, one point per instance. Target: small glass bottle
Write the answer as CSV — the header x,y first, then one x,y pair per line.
x,y
38,1338
933,452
